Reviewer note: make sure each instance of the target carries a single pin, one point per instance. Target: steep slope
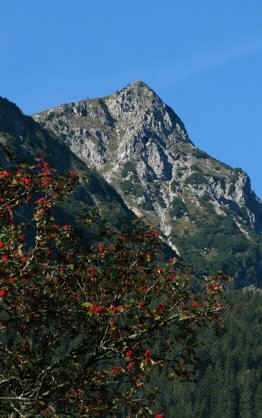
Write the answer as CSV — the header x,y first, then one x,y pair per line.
x,y
205,209
22,140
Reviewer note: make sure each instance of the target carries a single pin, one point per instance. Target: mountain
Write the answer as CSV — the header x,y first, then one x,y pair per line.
x,y
205,209
23,140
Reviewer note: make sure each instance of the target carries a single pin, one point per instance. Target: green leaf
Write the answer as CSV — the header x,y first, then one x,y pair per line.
x,y
86,304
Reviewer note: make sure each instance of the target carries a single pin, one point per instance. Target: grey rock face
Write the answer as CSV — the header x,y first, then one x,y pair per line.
x,y
142,148
129,122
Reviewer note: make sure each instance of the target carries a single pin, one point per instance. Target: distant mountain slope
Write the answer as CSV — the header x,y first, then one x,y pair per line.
x,y
205,209
23,139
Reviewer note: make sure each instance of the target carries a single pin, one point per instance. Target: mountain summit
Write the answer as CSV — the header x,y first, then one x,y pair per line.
x,y
123,121
205,209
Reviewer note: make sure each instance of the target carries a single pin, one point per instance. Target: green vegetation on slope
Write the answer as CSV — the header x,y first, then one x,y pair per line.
x,y
230,374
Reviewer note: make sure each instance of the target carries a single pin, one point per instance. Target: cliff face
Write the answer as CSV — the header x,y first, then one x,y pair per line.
x,y
206,210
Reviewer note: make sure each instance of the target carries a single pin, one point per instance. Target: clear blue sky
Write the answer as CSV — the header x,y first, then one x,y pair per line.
x,y
203,58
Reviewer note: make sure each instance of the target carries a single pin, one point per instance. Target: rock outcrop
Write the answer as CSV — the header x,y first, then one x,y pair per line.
x,y
206,210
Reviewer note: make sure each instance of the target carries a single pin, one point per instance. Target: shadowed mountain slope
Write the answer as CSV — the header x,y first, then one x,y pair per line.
x,y
23,140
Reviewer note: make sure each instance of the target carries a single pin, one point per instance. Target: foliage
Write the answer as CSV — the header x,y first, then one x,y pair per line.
x,y
196,178
129,188
128,167
229,369
178,208
218,244
147,204
83,327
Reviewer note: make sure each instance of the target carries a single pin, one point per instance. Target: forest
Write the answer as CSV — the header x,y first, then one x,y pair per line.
x,y
229,382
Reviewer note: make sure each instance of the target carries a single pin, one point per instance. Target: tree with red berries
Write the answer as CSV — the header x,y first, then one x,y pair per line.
x,y
82,327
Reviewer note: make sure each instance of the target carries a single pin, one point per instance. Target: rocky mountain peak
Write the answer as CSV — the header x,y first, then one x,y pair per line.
x,y
139,87
138,103
138,92
130,122
141,147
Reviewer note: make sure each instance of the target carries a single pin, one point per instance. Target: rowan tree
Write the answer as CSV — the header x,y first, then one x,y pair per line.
x,y
83,326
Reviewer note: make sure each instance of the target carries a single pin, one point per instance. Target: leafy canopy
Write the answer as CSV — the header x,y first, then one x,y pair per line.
x,y
82,327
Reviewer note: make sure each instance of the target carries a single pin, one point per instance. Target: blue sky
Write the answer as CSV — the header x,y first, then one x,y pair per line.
x,y
203,58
